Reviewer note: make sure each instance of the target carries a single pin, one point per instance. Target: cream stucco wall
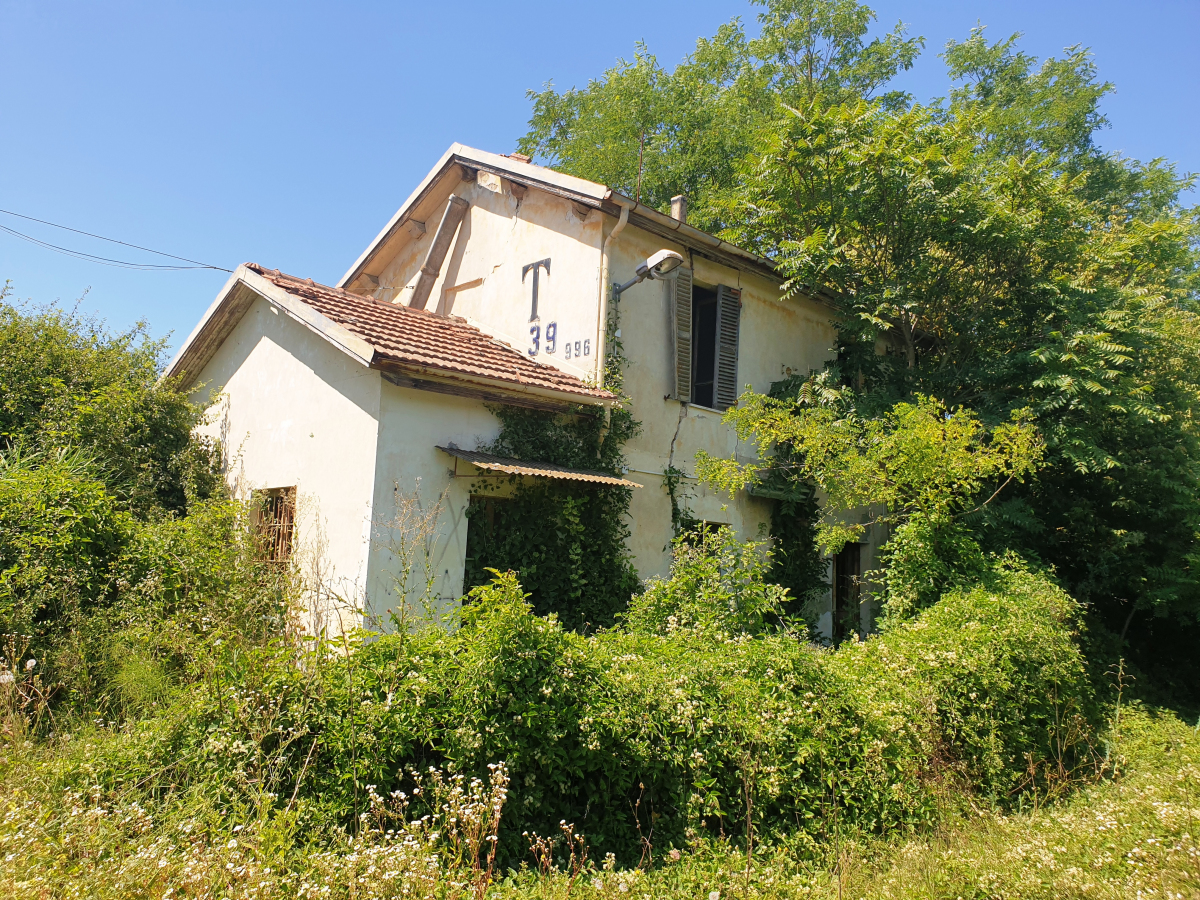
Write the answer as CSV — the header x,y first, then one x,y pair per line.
x,y
410,470
775,336
293,410
481,281
481,277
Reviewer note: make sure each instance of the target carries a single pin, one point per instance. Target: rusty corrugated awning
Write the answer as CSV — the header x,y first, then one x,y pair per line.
x,y
525,467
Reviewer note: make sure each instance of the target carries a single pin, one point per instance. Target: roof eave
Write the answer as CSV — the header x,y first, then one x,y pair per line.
x,y
460,155
450,376
239,292
232,303
650,219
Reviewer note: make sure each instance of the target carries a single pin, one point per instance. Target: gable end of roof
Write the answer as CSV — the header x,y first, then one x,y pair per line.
x,y
381,335
578,190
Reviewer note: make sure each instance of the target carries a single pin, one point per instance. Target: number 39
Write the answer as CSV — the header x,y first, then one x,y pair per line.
x,y
535,337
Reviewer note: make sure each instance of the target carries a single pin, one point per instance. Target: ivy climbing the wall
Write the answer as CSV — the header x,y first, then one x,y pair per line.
x,y
566,540
796,563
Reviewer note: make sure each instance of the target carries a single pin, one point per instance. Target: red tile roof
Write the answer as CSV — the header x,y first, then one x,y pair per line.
x,y
417,337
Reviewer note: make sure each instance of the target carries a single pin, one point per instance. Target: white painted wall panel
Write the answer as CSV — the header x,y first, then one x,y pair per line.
x,y
291,409
412,424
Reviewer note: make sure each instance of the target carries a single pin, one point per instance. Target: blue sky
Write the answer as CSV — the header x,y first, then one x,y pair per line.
x,y
288,133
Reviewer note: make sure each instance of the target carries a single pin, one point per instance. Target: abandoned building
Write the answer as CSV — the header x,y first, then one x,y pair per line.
x,y
490,286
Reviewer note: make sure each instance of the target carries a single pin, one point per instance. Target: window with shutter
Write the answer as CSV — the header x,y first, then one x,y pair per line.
x,y
706,372
729,311
681,333
704,346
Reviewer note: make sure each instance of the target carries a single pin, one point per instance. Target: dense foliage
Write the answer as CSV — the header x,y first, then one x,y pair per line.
x,y
686,131
697,717
914,470
1000,257
110,609
112,529
65,381
1124,836
566,540
1002,283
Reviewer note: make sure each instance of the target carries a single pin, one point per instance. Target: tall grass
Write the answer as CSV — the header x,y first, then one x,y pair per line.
x,y
1132,834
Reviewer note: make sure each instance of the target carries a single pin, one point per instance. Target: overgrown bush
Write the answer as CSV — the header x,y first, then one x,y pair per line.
x,y
717,584
991,680
112,610
67,381
61,534
684,721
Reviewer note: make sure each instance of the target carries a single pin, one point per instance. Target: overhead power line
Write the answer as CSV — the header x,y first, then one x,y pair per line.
x,y
104,260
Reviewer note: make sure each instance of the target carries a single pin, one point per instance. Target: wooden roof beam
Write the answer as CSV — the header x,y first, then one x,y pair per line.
x,y
432,267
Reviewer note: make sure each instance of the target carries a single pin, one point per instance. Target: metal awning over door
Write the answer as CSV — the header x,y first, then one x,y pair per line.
x,y
526,467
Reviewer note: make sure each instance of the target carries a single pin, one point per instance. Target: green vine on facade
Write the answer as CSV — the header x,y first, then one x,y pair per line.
x,y
681,514
566,540
796,563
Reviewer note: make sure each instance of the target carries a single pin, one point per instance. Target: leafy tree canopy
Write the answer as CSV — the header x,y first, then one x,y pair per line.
x,y
981,249
918,459
66,381
654,134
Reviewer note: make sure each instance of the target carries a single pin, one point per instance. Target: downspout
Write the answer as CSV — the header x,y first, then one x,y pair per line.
x,y
602,326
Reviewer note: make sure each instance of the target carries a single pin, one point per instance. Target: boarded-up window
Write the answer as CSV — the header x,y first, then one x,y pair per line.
x,y
680,292
275,521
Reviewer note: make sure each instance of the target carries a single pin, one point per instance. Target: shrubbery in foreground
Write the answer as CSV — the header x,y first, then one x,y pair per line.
x,y
697,719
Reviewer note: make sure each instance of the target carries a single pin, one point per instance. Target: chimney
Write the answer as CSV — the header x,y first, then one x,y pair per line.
x,y
679,207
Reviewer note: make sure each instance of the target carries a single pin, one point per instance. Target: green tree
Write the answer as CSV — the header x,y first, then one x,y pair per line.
x,y
65,380
917,470
969,246
1051,108
653,134
815,51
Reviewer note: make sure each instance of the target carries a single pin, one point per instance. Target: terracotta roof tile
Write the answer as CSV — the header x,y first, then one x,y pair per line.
x,y
418,337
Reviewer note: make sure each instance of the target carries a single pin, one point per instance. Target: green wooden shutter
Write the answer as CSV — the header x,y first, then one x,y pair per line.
x,y
681,333
729,311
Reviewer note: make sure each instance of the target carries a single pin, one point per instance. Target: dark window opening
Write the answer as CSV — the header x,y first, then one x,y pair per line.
x,y
847,571
704,346
274,512
485,534
694,531
483,514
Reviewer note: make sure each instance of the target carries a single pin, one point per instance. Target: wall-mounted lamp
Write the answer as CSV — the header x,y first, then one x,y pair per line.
x,y
659,267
